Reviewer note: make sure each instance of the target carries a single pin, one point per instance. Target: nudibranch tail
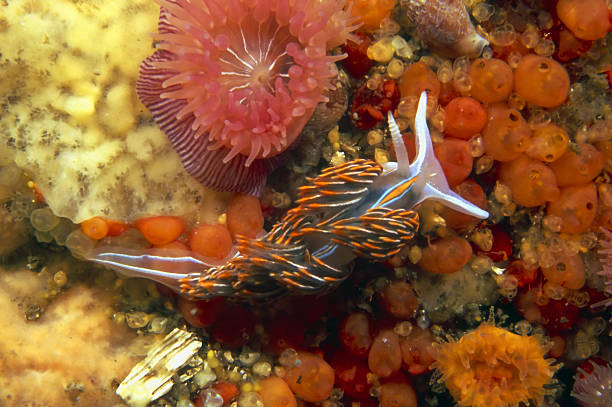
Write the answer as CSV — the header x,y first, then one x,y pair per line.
x,y
166,267
431,182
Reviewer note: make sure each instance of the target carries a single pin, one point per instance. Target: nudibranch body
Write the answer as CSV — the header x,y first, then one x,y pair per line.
x,y
234,82
359,208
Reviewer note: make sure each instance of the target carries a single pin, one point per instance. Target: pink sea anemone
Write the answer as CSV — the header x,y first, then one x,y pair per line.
x,y
234,82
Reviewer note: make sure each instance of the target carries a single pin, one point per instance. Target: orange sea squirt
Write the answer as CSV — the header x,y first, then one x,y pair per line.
x,y
531,181
161,230
541,81
576,206
471,191
567,272
417,78
491,79
446,255
212,241
506,135
578,166
244,216
95,228
586,19
455,158
465,117
370,12
491,367
548,143
312,379
275,392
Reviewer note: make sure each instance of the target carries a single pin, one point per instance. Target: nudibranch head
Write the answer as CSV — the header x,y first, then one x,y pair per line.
x,y
430,181
234,82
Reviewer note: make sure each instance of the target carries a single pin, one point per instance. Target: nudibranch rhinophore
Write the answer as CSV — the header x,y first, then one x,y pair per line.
x,y
358,208
233,83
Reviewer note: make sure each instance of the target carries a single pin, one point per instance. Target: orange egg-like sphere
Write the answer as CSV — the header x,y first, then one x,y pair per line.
x,y
161,230
471,191
312,379
541,81
455,158
370,12
506,135
399,300
548,143
532,183
587,19
418,352
446,255
576,206
491,80
275,392
212,241
417,78
465,117
95,228
397,395
385,356
568,272
578,166
244,216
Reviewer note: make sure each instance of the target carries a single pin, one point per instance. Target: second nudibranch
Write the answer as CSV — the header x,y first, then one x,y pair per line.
x,y
358,208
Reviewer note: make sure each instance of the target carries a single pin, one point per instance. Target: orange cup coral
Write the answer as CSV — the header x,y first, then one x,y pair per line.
x,y
234,82
491,367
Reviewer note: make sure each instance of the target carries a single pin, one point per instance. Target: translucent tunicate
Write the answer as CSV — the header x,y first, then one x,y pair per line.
x,y
211,398
502,193
79,244
288,358
60,279
530,37
514,58
250,399
482,12
137,319
481,264
184,403
508,286
43,219
158,325
445,72
61,231
523,328
545,48
483,164
395,68
503,35
554,291
487,53
477,147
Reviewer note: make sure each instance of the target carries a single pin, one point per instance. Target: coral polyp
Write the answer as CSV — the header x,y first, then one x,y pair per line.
x,y
234,83
492,367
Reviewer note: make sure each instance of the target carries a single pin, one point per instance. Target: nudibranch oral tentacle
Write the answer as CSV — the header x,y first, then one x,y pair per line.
x,y
356,209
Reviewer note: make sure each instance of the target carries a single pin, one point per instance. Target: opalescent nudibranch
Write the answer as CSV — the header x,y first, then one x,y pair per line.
x,y
359,208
